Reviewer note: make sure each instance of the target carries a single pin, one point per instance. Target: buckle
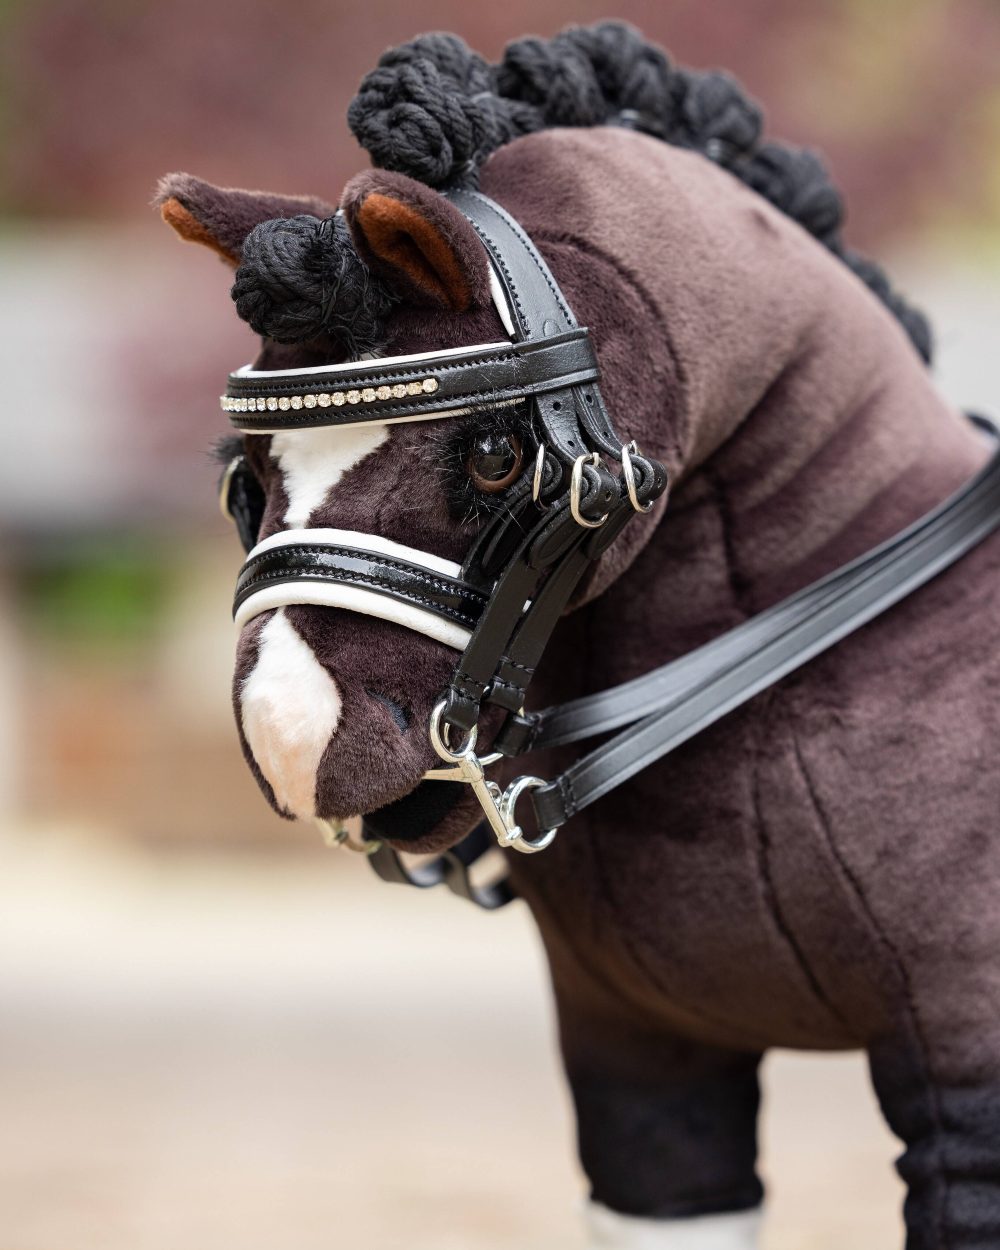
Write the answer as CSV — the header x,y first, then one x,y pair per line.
x,y
498,805
576,489
629,450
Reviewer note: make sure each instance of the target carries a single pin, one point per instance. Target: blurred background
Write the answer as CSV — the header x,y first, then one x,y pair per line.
x,y
212,1030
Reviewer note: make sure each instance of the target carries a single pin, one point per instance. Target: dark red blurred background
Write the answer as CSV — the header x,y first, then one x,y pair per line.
x,y
101,97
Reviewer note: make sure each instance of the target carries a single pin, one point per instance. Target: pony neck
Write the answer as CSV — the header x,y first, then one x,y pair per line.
x,y
740,351
849,443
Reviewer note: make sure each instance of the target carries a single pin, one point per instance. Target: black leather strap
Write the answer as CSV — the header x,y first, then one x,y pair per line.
x,y
696,691
537,308
527,645
398,579
574,421
377,390
451,869
550,539
492,665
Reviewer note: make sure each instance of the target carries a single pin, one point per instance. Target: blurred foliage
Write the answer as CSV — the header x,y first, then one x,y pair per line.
x,y
95,594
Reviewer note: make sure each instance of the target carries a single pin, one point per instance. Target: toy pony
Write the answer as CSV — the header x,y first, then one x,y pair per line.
x,y
572,279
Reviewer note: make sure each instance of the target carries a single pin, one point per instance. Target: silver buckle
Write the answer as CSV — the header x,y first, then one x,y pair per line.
x,y
629,450
536,480
498,805
576,487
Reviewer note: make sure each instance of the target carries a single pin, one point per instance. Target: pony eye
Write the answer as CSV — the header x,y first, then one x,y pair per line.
x,y
495,460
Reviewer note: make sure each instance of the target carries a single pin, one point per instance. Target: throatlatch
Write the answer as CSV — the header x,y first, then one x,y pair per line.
x,y
500,607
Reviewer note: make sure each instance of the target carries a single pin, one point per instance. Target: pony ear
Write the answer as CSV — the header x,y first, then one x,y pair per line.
x,y
416,241
222,217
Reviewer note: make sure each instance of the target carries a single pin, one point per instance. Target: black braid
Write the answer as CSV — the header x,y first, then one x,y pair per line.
x,y
435,110
300,278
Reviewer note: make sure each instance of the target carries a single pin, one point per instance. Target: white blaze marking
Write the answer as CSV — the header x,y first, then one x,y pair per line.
x,y
290,707
313,462
611,1231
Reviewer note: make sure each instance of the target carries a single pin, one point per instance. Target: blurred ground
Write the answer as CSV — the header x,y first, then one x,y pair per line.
x,y
244,1053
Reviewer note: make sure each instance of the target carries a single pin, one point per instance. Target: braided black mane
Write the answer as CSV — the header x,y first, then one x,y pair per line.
x,y
435,110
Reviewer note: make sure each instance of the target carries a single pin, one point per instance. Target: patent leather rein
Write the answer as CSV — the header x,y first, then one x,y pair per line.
x,y
499,608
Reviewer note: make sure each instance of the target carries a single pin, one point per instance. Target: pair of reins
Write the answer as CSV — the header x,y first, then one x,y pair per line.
x,y
501,606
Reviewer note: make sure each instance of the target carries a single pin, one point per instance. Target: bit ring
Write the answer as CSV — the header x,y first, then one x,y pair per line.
x,y
516,838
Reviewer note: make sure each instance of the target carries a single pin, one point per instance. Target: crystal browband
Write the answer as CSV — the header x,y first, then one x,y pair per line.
x,y
324,399
407,388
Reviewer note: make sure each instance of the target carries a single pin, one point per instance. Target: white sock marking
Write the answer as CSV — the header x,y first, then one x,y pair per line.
x,y
313,462
611,1231
290,707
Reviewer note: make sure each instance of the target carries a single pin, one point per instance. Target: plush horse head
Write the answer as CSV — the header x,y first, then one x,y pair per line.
x,y
783,385
665,255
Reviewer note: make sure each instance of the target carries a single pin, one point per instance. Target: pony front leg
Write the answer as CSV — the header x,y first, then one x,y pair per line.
x,y
941,1095
667,1134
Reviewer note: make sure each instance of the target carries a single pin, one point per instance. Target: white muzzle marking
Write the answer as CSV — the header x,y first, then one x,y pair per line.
x,y
290,708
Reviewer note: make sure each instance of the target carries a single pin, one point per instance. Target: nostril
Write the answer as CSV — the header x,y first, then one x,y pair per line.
x,y
401,715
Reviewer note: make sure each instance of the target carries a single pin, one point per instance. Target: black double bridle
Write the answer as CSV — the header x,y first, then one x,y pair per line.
x,y
500,607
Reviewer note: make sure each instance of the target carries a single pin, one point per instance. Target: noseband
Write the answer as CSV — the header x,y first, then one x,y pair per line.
x,y
499,608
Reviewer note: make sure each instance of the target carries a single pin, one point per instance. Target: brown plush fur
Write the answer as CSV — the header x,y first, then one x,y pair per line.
x,y
222,217
191,230
416,240
821,868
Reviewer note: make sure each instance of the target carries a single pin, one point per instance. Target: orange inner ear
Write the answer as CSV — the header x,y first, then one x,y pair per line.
x,y
191,229
401,236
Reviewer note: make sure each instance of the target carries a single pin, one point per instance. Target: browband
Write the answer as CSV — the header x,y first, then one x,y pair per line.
x,y
409,388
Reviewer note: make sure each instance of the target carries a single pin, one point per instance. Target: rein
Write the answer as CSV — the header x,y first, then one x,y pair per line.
x,y
500,607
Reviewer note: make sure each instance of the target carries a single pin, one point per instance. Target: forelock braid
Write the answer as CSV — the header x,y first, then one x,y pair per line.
x,y
556,79
300,278
435,110
795,181
635,77
431,110
714,116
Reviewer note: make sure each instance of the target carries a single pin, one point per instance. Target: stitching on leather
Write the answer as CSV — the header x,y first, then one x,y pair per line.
x,y
463,678
512,225
568,793
411,373
489,244
635,284
438,583
324,576
523,668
